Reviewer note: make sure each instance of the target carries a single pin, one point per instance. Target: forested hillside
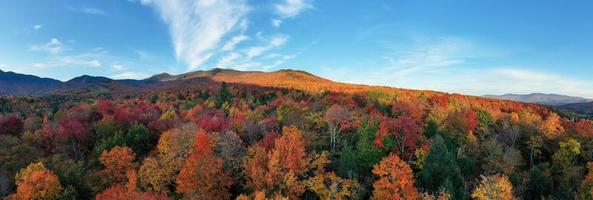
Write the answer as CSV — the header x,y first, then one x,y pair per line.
x,y
287,135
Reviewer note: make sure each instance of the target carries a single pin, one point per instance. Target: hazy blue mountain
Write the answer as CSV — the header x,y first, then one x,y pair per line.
x,y
539,98
22,84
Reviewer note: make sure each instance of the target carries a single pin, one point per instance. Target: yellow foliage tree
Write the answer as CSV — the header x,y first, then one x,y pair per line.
x,y
494,187
158,173
326,184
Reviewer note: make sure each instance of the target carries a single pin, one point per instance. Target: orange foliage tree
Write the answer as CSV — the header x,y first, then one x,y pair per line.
x,y
551,126
117,161
395,181
276,171
202,175
36,182
584,128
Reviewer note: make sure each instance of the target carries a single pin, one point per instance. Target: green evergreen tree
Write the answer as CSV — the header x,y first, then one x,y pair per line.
x,y
538,185
224,96
367,153
441,171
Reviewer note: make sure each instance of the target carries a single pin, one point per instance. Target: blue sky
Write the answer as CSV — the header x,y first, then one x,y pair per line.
x,y
469,47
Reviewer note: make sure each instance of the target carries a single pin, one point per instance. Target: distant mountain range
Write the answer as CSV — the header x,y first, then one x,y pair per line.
x,y
21,84
582,109
539,98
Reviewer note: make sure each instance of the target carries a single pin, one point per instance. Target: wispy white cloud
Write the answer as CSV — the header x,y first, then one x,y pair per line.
x,y
54,46
117,66
256,57
292,8
231,44
228,60
451,65
272,43
88,10
198,27
94,63
276,22
289,9
93,58
427,55
130,75
143,55
37,27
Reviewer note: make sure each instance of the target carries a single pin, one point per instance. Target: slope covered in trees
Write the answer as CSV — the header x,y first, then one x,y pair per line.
x,y
288,134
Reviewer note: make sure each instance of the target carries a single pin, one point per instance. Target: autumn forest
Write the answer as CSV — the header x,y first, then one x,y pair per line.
x,y
265,140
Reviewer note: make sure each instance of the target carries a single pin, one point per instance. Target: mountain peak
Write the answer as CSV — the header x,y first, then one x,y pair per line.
x,y
87,79
159,77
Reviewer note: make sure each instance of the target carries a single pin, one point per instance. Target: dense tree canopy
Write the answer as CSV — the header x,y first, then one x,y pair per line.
x,y
207,140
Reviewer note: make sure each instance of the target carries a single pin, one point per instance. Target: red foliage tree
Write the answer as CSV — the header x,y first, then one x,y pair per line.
x,y
269,140
584,128
11,125
202,175
74,131
470,121
405,127
213,122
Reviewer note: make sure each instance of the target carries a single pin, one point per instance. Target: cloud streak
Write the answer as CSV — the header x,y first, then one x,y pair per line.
x,y
88,10
38,27
92,59
231,44
249,58
292,8
130,75
198,27
54,46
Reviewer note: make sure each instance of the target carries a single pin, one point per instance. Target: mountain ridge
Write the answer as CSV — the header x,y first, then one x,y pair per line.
x,y
541,98
24,84
283,78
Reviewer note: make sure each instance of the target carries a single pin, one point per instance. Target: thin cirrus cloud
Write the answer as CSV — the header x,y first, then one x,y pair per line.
x,y
289,9
130,75
54,46
87,10
243,59
197,28
37,27
206,32
231,44
94,58
292,8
